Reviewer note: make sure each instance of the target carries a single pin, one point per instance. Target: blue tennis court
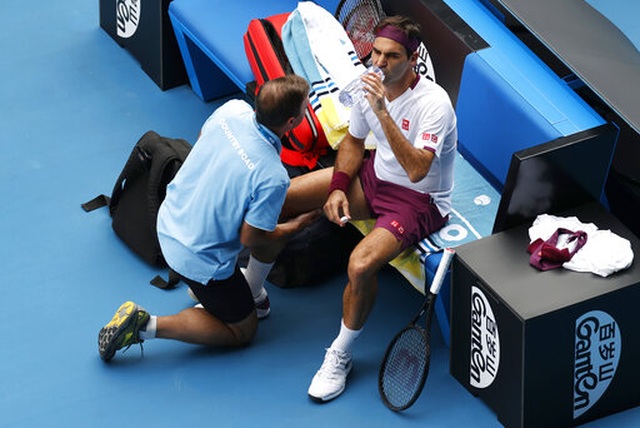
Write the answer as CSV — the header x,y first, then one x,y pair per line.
x,y
73,104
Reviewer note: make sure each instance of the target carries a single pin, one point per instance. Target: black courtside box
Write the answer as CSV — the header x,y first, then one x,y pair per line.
x,y
545,349
143,28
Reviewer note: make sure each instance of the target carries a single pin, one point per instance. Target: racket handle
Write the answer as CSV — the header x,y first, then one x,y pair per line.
x,y
443,267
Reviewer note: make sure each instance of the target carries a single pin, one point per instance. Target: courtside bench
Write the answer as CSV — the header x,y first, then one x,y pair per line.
x,y
506,98
209,35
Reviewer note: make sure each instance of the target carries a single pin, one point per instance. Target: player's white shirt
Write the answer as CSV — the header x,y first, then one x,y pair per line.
x,y
427,119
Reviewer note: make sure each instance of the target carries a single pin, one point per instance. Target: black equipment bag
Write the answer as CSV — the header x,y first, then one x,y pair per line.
x,y
316,253
138,193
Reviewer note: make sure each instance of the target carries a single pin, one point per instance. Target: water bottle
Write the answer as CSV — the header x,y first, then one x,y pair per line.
x,y
354,91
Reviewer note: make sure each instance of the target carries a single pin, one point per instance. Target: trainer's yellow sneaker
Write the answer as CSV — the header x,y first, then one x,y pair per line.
x,y
122,330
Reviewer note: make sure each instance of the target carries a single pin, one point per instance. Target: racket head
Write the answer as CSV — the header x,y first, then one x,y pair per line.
x,y
404,368
359,18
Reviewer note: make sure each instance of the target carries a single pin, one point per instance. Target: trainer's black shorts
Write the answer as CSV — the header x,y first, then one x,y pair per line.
x,y
229,300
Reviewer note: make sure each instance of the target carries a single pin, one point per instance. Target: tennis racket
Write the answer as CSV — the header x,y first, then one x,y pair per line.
x,y
359,18
405,365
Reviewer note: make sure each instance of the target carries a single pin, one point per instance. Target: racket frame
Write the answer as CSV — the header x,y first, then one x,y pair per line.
x,y
428,308
371,19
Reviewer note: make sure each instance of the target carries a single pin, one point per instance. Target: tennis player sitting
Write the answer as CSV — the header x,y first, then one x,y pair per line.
x,y
405,185
228,194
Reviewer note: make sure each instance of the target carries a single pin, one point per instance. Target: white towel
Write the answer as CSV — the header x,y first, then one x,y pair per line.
x,y
320,50
603,254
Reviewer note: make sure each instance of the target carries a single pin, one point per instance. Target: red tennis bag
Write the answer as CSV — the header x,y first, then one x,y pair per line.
x,y
264,49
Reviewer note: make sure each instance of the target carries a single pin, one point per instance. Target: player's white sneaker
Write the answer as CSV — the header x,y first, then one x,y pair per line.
x,y
330,381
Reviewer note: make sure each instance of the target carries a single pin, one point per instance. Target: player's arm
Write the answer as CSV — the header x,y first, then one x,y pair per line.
x,y
415,161
348,162
350,155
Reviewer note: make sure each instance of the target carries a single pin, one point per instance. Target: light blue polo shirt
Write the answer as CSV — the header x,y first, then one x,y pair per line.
x,y
232,174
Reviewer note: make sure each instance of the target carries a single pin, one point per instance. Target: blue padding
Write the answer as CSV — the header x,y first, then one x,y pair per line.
x,y
494,120
509,99
213,30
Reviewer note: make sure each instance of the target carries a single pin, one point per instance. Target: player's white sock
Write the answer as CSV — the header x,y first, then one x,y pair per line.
x,y
345,338
150,330
256,274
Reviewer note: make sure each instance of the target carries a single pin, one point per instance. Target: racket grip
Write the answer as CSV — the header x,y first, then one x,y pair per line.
x,y
441,272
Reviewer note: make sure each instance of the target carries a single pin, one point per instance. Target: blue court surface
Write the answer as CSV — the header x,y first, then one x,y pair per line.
x,y
73,104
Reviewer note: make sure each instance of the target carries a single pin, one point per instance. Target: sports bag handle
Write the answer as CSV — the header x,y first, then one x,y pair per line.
x,y
95,203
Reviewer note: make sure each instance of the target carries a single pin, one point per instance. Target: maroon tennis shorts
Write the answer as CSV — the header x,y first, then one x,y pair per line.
x,y
408,214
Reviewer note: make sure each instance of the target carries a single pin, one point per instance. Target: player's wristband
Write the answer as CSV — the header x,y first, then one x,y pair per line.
x,y
339,181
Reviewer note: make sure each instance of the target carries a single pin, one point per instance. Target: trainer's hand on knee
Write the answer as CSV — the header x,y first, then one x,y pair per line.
x,y
305,219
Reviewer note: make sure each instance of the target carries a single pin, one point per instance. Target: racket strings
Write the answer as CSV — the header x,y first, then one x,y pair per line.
x,y
359,18
405,366
405,369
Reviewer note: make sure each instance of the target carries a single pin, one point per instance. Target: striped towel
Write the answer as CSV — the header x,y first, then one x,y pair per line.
x,y
320,50
410,263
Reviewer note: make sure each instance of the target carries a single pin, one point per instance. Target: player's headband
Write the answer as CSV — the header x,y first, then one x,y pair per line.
x,y
397,35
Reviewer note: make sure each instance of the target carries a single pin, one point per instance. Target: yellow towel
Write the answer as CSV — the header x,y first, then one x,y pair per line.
x,y
407,263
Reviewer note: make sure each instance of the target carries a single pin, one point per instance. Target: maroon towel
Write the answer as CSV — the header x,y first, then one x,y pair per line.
x,y
546,255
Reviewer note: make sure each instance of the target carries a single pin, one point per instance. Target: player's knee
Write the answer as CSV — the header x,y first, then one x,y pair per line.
x,y
359,268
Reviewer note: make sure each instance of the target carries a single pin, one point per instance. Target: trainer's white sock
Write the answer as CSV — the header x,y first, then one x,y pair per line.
x,y
345,338
256,274
149,331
